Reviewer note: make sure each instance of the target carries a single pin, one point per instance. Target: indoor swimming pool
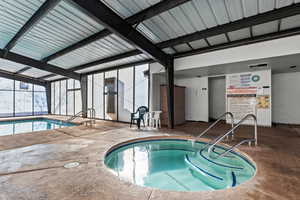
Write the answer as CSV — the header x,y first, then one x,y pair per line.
x,y
177,164
12,127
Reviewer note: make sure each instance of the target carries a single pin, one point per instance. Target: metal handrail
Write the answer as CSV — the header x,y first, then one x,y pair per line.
x,y
75,116
217,140
236,145
215,123
92,113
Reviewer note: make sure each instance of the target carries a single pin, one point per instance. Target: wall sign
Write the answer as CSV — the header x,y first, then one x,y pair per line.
x,y
246,93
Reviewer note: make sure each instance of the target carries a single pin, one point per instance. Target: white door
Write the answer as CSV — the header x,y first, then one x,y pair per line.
x,y
203,104
196,98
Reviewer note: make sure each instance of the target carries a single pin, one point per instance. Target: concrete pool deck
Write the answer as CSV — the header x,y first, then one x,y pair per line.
x,y
31,164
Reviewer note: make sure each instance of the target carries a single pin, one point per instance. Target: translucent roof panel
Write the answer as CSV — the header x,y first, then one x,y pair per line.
x,y
33,72
198,15
218,39
169,50
13,15
239,34
126,8
116,63
198,44
103,48
54,78
290,22
182,47
62,26
10,66
265,28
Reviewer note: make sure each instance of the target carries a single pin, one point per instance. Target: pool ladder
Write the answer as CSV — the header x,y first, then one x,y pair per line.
x,y
213,143
216,122
90,111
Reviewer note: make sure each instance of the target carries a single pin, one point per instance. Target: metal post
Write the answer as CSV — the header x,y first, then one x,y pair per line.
x,y
83,87
48,95
170,91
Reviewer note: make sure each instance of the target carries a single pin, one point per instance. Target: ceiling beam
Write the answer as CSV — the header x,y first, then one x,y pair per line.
x,y
242,42
142,62
22,78
243,23
273,15
137,63
37,64
134,19
22,70
106,60
262,38
108,18
35,18
47,76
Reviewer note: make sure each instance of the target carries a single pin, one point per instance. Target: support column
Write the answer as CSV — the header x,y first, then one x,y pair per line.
x,y
48,96
170,91
84,89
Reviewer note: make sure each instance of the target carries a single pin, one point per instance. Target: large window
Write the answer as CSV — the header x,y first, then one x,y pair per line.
x,y
97,96
39,100
70,98
125,93
7,97
110,92
21,99
63,97
141,86
78,99
66,97
113,94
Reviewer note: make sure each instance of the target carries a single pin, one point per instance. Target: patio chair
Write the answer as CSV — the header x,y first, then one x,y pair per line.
x,y
138,116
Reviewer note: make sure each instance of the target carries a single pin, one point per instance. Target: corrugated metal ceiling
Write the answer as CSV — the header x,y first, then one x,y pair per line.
x,y
33,72
116,63
61,27
10,66
106,47
126,8
66,25
13,15
198,15
54,78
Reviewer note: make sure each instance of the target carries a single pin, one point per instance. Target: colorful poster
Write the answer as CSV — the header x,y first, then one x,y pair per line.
x,y
263,102
249,93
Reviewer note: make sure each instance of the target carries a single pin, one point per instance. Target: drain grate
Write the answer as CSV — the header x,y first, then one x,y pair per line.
x,y
71,165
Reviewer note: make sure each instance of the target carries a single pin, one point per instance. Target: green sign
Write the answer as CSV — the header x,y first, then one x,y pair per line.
x,y
255,78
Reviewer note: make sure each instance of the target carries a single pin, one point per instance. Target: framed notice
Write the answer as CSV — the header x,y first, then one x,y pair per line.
x,y
241,105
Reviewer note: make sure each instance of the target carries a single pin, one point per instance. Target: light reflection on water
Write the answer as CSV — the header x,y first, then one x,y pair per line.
x,y
162,164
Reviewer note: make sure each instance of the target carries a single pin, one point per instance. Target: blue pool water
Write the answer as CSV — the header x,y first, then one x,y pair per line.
x,y
30,125
172,164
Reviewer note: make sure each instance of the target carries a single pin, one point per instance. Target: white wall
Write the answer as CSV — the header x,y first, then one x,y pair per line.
x,y
268,49
286,98
196,98
261,50
155,80
217,104
284,103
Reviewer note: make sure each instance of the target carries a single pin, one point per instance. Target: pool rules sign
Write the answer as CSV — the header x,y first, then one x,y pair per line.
x,y
249,93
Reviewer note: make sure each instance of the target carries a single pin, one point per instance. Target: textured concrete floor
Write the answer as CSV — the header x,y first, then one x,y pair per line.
x,y
31,165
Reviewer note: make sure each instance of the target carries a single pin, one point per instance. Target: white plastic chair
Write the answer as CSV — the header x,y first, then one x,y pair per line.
x,y
155,121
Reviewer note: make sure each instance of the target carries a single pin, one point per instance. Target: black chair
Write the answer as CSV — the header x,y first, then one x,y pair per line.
x,y
138,116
